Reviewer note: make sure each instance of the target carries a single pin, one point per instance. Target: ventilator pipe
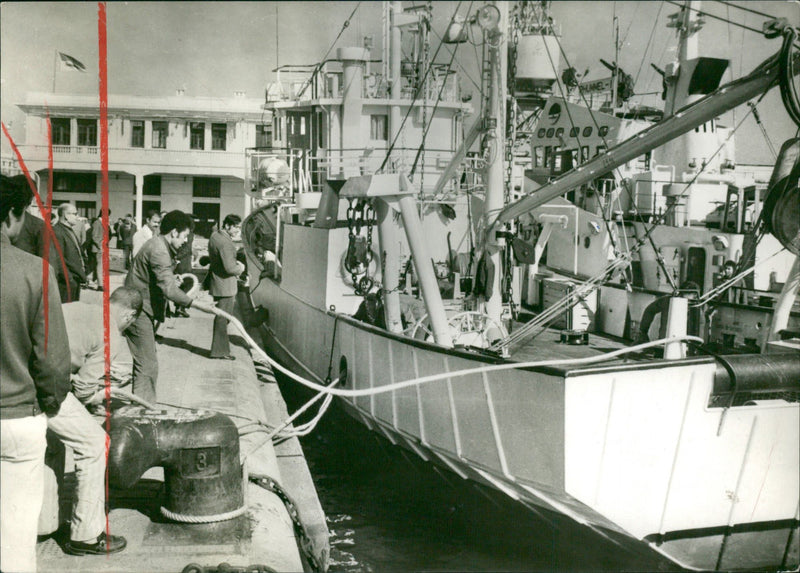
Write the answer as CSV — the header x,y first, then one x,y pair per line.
x,y
677,317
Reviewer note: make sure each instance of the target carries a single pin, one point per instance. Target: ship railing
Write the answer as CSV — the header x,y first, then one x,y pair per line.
x,y
308,172
303,83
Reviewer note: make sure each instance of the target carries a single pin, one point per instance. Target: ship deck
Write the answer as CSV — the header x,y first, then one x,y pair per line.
x,y
548,346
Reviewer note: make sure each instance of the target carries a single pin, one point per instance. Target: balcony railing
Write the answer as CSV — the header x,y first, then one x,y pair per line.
x,y
305,85
76,149
136,156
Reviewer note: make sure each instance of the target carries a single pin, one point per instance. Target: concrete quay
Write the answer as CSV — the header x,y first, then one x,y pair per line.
x,y
265,534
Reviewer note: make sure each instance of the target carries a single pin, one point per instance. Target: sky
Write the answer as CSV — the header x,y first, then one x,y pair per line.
x,y
216,48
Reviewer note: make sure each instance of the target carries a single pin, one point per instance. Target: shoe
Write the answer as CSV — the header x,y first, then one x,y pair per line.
x,y
226,357
182,313
103,545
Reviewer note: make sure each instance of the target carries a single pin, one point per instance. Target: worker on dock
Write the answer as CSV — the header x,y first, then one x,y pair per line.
x,y
34,380
87,345
152,275
224,271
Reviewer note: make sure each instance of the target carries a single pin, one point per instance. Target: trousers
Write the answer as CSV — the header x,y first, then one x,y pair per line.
x,y
76,428
142,343
220,345
22,447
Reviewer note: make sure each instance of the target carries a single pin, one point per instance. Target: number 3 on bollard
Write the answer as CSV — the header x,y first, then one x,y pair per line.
x,y
199,462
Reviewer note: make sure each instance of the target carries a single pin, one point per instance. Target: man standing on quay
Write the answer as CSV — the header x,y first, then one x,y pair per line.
x,y
225,270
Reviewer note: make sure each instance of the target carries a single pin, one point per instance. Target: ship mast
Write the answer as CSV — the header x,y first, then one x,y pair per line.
x,y
494,123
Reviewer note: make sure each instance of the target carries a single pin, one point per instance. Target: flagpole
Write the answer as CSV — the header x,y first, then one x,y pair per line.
x,y
55,66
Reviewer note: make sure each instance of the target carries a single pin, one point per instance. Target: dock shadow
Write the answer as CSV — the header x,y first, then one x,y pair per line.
x,y
179,343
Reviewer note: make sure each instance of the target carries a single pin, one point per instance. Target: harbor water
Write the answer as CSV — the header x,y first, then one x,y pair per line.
x,y
389,511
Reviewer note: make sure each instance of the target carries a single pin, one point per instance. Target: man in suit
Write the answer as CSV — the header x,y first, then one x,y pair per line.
x,y
95,251
125,233
152,275
70,285
224,270
31,236
34,381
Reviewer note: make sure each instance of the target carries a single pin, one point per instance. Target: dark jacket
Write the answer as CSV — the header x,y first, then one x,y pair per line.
x,y
222,265
34,372
71,249
96,241
125,233
152,275
31,237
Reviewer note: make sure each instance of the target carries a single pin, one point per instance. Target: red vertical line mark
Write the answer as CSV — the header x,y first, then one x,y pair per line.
x,y
45,239
103,87
47,226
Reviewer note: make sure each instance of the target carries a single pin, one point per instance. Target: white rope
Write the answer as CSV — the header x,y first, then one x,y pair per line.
x,y
184,518
458,373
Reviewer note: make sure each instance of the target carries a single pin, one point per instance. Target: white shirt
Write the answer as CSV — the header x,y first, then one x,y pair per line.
x,y
140,237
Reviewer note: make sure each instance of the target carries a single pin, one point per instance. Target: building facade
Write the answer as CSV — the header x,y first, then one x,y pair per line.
x,y
164,153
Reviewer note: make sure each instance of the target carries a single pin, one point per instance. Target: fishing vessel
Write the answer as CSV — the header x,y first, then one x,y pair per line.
x,y
392,261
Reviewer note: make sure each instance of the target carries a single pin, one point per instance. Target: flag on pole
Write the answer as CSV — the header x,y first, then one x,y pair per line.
x,y
70,63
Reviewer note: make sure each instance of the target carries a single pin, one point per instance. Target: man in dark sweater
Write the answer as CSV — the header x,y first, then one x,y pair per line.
x,y
152,274
34,380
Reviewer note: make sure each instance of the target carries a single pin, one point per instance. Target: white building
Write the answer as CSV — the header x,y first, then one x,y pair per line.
x,y
9,165
164,153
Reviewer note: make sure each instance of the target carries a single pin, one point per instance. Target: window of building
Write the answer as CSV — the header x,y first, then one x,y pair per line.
x,y
87,132
262,136
159,139
86,209
197,135
378,127
206,186
73,182
148,206
137,134
60,127
219,136
206,217
152,185
302,125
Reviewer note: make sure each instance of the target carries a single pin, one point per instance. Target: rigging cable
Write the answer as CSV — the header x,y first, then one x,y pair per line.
x,y
647,47
756,12
720,18
417,93
325,57
618,175
435,107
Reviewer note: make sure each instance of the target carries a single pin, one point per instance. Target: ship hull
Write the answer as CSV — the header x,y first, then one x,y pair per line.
x,y
632,452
